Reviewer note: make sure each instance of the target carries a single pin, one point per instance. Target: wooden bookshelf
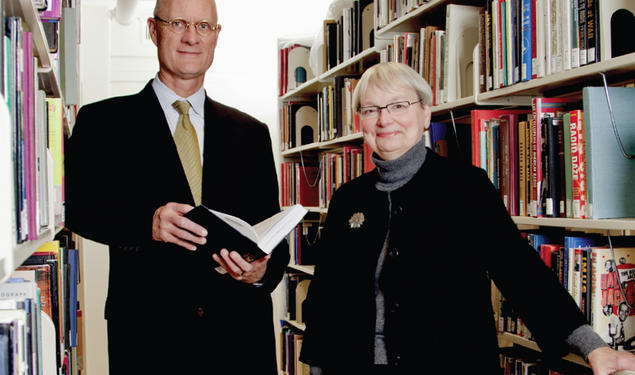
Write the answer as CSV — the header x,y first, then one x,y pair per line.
x,y
508,339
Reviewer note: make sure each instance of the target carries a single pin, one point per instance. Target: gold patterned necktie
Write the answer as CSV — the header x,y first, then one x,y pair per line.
x,y
189,152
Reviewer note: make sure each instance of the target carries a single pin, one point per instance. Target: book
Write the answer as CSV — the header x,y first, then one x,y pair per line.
x,y
508,125
612,287
542,107
610,175
235,234
478,119
578,163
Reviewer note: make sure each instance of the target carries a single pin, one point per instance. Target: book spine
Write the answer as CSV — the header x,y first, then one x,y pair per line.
x,y
582,31
522,169
576,164
528,55
591,28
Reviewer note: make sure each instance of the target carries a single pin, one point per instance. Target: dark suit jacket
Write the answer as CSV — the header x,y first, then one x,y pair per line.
x,y
450,235
121,165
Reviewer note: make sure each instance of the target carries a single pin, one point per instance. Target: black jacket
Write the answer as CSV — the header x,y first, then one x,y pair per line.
x,y
121,165
450,235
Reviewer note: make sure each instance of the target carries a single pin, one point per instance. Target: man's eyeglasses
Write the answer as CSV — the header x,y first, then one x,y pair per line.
x,y
395,109
179,26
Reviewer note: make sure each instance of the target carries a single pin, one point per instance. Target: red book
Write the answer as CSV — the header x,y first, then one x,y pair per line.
x,y
546,250
479,129
306,185
578,180
509,161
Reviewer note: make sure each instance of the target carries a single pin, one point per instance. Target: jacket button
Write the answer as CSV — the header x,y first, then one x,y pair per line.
x,y
200,312
394,307
393,253
397,361
397,210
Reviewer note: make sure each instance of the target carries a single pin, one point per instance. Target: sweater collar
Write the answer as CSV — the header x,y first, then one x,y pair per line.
x,y
394,174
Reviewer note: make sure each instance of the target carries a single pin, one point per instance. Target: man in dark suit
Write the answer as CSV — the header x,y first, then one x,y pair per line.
x,y
168,309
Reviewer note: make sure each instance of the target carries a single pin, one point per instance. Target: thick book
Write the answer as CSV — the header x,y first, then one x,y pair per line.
x,y
610,175
234,234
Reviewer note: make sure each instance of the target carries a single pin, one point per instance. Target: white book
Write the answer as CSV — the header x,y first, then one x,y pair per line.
x,y
541,36
565,24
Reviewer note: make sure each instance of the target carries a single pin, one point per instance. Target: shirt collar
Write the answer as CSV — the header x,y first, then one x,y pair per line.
x,y
166,96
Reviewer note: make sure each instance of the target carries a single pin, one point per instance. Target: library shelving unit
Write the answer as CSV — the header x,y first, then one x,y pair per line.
x,y
12,252
419,14
45,85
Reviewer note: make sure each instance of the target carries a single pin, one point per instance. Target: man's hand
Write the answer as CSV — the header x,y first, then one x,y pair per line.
x,y
239,268
169,225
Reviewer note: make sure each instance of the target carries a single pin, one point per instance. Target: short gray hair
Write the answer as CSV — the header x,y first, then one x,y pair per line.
x,y
388,75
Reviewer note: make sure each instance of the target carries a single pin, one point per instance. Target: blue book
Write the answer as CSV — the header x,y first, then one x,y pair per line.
x,y
73,275
610,175
576,241
526,68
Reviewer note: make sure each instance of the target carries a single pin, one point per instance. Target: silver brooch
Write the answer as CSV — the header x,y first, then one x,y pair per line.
x,y
356,220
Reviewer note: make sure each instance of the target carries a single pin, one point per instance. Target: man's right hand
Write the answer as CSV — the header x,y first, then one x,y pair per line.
x,y
169,225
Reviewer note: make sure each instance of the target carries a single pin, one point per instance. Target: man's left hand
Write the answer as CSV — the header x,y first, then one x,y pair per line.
x,y
239,268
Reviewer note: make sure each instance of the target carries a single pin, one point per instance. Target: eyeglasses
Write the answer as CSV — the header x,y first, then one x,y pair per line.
x,y
395,109
179,26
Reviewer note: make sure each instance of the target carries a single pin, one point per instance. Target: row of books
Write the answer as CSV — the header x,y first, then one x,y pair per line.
x,y
521,40
39,313
516,360
423,51
599,276
387,11
303,242
518,40
561,158
37,137
349,33
299,184
442,54
328,116
290,353
314,185
338,166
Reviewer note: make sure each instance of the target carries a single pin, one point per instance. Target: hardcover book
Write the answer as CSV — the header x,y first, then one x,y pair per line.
x,y
235,234
613,284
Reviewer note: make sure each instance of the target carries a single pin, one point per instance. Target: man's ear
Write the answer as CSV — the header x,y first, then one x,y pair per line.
x,y
152,27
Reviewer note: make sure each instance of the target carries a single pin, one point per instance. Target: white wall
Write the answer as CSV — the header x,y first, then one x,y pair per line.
x,y
117,60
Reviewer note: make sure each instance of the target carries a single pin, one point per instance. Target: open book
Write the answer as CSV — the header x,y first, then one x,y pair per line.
x,y
235,234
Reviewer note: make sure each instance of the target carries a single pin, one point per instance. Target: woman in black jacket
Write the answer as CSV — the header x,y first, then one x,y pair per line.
x,y
402,284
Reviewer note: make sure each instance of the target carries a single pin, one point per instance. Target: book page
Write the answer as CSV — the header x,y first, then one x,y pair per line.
x,y
272,230
268,224
239,224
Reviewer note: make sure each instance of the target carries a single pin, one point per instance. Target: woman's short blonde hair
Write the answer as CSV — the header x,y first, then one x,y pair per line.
x,y
390,75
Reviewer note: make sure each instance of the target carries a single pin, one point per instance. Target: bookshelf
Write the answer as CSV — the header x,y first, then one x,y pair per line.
x,y
50,83
43,117
514,95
